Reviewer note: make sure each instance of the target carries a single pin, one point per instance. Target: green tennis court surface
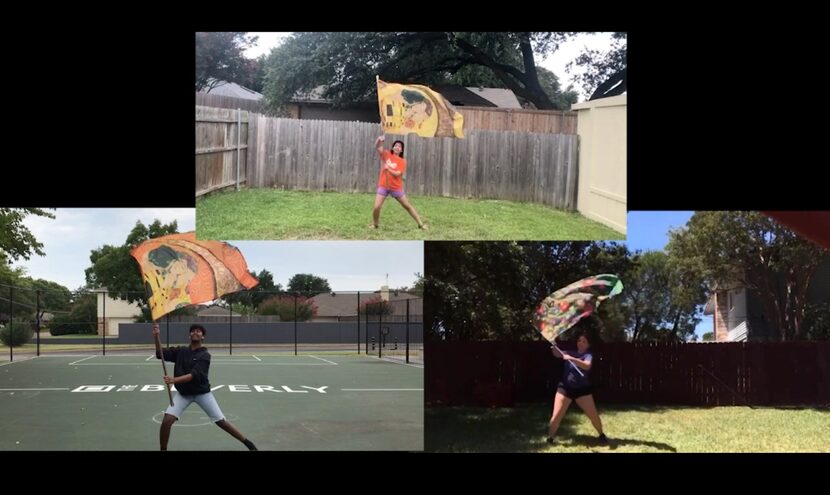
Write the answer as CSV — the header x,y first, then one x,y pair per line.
x,y
281,402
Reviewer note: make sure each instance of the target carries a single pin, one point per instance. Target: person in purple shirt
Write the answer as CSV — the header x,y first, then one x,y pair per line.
x,y
575,386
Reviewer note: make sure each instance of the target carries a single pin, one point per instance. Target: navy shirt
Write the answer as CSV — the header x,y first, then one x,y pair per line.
x,y
187,361
570,376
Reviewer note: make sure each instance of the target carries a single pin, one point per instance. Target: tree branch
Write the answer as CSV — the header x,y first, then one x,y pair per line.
x,y
500,69
461,62
527,57
530,91
605,90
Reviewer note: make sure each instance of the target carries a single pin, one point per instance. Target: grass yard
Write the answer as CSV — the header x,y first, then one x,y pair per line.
x,y
630,429
264,214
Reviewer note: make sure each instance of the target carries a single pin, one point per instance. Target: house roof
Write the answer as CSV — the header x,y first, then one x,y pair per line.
x,y
213,311
225,88
457,95
502,98
345,304
463,97
314,95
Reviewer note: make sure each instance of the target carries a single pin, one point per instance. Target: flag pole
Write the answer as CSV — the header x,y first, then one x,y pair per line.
x,y
163,366
380,110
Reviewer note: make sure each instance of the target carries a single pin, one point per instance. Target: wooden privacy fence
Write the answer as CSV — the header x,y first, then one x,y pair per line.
x,y
221,158
319,155
519,119
755,373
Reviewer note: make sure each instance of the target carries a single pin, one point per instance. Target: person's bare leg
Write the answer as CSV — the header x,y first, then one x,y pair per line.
x,y
234,431
379,199
560,407
404,201
586,403
164,432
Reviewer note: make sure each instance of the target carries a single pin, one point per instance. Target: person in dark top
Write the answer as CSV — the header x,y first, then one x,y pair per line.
x,y
575,386
190,376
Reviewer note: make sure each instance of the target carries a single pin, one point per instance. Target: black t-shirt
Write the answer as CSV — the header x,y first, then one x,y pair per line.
x,y
189,361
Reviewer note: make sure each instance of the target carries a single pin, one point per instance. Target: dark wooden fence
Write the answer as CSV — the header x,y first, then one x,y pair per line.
x,y
754,373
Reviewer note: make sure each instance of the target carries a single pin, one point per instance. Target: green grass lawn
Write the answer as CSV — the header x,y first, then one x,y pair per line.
x,y
263,214
630,429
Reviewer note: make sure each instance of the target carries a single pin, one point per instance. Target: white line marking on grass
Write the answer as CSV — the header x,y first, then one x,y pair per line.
x,y
321,359
84,359
382,389
258,359
28,389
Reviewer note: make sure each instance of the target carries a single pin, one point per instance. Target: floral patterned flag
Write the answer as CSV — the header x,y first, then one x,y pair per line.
x,y
565,307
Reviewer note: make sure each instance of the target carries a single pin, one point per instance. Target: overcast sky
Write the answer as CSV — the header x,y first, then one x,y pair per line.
x,y
347,265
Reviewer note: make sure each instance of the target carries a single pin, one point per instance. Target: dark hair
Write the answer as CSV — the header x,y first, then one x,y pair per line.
x,y
584,333
200,327
393,145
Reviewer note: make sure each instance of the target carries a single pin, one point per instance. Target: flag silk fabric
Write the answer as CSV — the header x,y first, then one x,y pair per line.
x,y
406,108
565,307
178,271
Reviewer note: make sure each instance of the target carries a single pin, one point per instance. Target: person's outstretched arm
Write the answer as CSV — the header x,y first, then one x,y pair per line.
x,y
379,145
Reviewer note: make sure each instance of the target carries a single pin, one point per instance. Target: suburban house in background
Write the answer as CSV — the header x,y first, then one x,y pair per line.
x,y
233,90
230,95
339,306
215,312
739,315
312,105
331,307
111,312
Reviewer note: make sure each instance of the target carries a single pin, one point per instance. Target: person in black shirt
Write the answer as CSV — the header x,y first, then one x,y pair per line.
x,y
190,376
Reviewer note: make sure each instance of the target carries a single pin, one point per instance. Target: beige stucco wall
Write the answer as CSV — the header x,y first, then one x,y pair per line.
x,y
602,129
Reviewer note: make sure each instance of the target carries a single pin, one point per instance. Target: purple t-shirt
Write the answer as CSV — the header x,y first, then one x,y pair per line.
x,y
571,378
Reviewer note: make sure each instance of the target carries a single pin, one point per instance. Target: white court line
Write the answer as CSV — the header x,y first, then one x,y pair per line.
x,y
382,389
238,363
321,359
28,389
258,359
61,355
151,357
19,361
399,362
84,359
